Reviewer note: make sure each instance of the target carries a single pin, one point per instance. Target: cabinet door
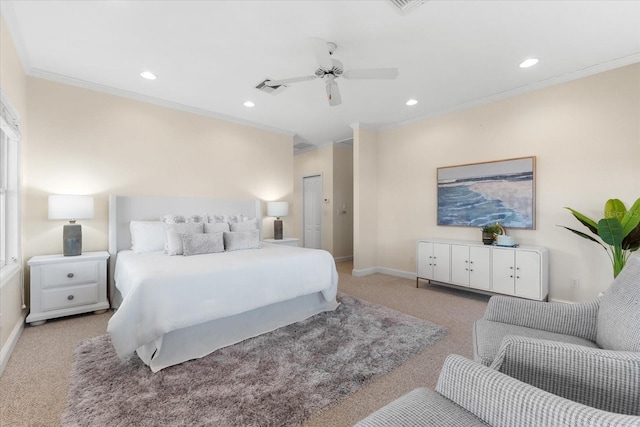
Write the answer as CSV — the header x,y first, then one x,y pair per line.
x,y
460,265
441,262
527,274
479,267
503,271
424,259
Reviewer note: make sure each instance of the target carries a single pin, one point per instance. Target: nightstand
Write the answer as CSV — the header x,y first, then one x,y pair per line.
x,y
66,285
288,241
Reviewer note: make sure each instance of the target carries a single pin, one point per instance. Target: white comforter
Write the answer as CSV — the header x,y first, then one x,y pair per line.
x,y
163,293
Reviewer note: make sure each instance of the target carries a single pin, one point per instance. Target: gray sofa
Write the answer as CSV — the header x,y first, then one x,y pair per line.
x,y
539,364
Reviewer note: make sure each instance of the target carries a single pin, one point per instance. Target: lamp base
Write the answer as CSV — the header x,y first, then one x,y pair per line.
x,y
277,229
72,240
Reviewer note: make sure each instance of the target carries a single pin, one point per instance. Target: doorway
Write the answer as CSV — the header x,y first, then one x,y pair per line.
x,y
312,211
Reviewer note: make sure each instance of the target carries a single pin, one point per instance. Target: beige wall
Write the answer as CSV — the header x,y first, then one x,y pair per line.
x,y
14,87
585,135
86,142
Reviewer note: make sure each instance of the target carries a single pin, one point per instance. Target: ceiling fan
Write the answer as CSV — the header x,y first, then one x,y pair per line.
x,y
329,69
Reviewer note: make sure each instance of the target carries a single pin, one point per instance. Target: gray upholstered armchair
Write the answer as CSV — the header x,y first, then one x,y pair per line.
x,y
611,322
539,364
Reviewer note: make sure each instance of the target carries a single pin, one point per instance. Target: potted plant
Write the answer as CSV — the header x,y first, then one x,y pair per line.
x,y
618,232
490,232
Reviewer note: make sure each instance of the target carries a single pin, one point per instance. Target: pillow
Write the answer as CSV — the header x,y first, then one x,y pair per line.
x,y
196,244
146,236
237,240
173,243
214,227
226,218
181,219
247,225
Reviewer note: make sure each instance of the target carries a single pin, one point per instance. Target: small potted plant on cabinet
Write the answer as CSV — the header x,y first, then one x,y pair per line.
x,y
490,232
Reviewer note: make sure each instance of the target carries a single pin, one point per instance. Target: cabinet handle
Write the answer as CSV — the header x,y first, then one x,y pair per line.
x,y
70,275
511,276
471,269
517,277
70,297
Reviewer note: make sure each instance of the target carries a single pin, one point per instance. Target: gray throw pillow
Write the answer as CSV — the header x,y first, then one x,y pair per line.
x,y
237,240
248,225
196,244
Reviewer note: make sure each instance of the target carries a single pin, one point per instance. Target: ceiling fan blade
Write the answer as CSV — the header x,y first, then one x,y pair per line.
x,y
321,52
274,83
333,93
372,73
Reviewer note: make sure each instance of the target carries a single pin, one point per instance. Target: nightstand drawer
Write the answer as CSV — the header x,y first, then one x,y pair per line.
x,y
69,296
69,273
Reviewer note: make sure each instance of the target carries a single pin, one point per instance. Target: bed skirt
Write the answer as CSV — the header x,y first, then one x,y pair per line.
x,y
200,340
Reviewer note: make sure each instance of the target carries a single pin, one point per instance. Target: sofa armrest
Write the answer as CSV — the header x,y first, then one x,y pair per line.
x,y
570,319
501,400
602,379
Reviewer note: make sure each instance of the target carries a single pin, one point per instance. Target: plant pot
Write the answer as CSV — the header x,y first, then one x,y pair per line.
x,y
487,238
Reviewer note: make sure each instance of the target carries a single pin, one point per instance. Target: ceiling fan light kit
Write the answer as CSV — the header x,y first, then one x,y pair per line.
x,y
329,69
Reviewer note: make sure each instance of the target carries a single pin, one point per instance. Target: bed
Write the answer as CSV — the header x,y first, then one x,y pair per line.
x,y
171,309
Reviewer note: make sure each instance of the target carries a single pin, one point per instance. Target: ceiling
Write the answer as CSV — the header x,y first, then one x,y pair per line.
x,y
210,55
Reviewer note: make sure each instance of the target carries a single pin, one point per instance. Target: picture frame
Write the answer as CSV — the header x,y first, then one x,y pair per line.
x,y
479,194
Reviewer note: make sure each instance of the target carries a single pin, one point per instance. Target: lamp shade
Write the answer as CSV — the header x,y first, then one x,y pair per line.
x,y
70,207
277,209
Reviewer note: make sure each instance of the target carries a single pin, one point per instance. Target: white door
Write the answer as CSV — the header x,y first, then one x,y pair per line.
x,y
312,211
527,274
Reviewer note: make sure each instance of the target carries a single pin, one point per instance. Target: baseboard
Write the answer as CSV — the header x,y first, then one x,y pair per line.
x,y
343,258
383,270
7,349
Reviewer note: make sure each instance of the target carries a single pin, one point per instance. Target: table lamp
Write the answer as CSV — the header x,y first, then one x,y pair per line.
x,y
71,208
277,209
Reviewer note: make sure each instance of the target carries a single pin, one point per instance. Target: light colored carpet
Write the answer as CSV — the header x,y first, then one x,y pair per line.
x,y
35,384
277,379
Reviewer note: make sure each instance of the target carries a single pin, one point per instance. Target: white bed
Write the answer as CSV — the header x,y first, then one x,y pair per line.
x,y
176,308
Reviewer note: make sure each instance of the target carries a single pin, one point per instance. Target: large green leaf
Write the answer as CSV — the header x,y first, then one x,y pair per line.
x,y
631,241
586,236
631,218
587,222
610,231
614,208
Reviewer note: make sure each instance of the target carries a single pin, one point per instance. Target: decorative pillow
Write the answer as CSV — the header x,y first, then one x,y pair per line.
x,y
146,236
226,218
181,219
196,244
214,227
173,244
237,240
248,225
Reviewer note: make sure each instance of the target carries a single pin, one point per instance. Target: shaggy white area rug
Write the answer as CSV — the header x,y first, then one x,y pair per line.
x,y
277,379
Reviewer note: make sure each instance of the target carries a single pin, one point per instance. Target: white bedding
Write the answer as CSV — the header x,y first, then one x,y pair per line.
x,y
164,293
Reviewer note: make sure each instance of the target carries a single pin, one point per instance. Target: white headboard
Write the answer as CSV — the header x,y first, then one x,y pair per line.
x,y
124,209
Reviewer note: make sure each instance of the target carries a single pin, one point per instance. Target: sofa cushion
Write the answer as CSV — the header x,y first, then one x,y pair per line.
x,y
421,407
618,326
488,335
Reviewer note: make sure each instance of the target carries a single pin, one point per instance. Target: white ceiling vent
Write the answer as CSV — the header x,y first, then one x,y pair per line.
x,y
301,147
406,6
275,90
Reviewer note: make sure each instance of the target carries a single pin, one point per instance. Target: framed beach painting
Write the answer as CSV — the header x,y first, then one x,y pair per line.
x,y
479,194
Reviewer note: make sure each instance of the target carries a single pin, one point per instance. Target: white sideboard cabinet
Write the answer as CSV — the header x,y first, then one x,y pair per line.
x,y
520,271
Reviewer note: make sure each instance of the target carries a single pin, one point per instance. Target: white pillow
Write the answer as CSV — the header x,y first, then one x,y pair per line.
x,y
173,244
196,244
226,218
237,240
181,219
214,227
147,236
247,225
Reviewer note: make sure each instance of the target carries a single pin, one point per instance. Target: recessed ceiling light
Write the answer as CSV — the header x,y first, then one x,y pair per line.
x,y
148,75
249,104
412,102
529,63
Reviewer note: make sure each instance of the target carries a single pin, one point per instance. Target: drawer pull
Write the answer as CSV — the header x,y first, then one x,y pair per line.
x,y
70,275
70,297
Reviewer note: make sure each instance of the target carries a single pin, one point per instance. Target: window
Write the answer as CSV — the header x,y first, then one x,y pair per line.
x,y
10,221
